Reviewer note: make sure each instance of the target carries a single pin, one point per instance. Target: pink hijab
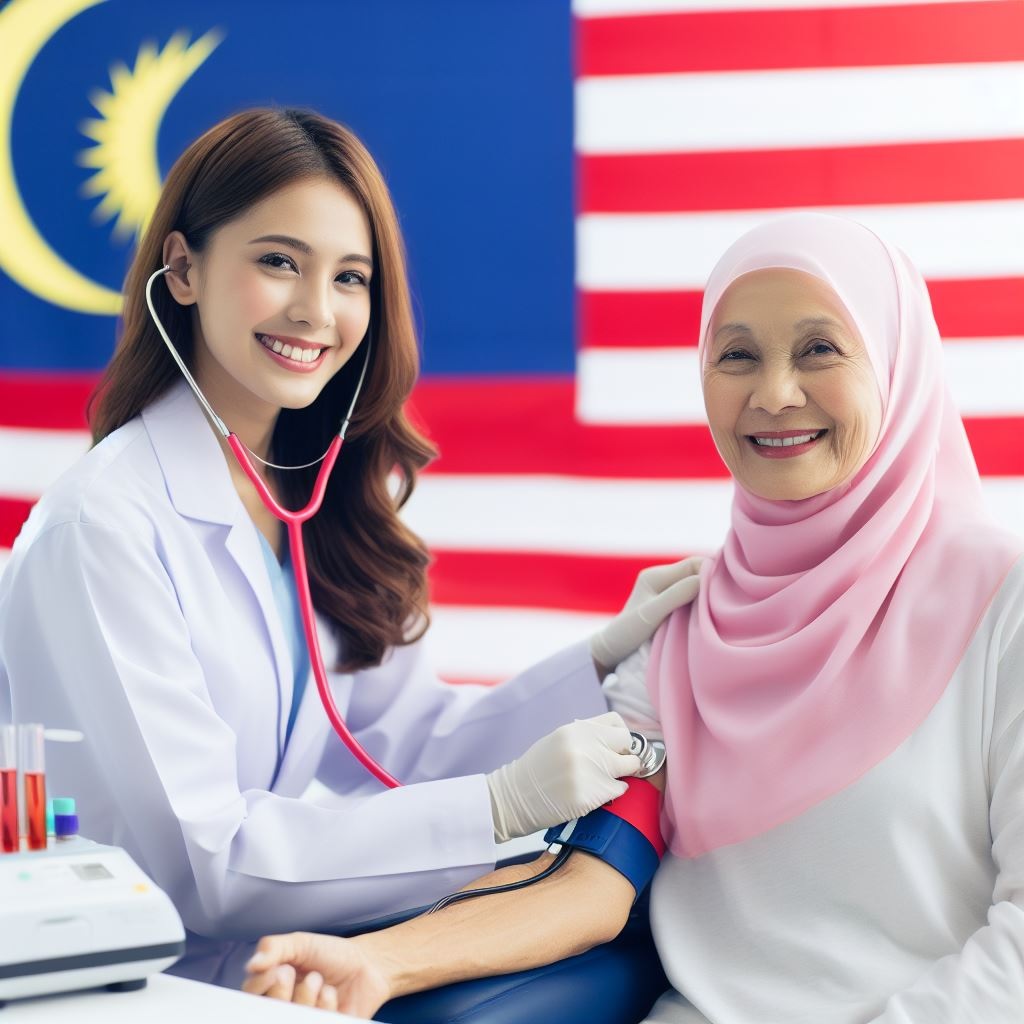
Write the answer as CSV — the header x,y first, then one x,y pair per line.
x,y
827,628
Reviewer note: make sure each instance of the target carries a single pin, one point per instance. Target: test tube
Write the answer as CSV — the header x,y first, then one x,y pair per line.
x,y
31,758
8,789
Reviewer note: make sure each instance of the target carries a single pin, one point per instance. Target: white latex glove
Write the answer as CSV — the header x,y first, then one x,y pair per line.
x,y
564,775
658,592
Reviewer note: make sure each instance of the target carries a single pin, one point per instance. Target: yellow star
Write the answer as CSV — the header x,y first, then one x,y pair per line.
x,y
125,154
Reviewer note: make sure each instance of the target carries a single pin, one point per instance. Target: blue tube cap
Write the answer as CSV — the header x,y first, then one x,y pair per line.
x,y
65,820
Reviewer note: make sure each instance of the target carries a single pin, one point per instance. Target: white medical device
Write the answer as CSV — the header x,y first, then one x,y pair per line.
x,y
81,915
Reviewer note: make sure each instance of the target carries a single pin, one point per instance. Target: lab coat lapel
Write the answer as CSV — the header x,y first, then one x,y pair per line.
x,y
306,746
199,484
243,544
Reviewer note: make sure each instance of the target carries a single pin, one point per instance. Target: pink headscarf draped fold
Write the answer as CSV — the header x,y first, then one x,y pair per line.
x,y
827,628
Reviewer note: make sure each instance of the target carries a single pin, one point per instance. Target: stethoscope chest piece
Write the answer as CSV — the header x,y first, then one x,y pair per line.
x,y
650,752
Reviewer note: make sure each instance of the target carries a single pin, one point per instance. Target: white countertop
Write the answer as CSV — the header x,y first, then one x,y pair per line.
x,y
164,999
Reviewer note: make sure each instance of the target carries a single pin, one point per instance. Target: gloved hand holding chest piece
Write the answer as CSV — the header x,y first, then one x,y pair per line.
x,y
564,775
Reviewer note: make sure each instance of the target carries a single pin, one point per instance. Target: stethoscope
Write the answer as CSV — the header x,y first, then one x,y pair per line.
x,y
293,521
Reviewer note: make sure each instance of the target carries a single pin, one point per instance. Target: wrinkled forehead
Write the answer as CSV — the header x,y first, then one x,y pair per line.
x,y
850,259
776,298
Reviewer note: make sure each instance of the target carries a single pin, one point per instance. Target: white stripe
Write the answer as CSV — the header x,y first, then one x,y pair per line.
x,y
1005,498
569,515
517,513
651,518
30,460
662,385
807,107
986,375
661,252
605,8
640,385
491,643
496,643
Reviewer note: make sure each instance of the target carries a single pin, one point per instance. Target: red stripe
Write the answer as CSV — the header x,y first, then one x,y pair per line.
x,y
772,179
528,426
483,425
525,579
996,443
13,513
48,401
748,40
980,308
639,319
487,428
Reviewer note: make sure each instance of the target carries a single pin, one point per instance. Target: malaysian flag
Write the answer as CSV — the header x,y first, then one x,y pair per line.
x,y
573,445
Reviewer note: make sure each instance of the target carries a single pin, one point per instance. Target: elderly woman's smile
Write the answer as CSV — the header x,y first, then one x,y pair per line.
x,y
784,444
791,396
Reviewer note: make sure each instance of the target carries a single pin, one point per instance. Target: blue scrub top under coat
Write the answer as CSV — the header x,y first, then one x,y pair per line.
x,y
286,597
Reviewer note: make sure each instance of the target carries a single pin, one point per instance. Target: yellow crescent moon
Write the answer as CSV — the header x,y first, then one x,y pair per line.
x,y
25,27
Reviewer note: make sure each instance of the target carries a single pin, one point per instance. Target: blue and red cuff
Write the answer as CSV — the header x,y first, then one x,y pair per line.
x,y
625,833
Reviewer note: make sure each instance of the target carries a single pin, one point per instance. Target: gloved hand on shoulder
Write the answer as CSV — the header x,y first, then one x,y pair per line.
x,y
564,775
658,592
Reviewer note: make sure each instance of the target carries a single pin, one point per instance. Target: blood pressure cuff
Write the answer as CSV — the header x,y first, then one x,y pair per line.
x,y
625,833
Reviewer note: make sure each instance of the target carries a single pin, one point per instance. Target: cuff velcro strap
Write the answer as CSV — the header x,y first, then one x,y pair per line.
x,y
625,833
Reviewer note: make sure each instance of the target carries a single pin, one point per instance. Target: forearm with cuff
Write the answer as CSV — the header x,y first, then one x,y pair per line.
x,y
583,904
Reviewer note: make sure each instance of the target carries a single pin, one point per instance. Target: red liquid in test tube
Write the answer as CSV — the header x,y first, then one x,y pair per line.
x,y
9,810
35,809
31,760
9,842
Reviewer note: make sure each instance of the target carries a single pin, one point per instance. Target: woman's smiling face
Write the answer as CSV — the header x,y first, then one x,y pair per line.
x,y
791,396
281,295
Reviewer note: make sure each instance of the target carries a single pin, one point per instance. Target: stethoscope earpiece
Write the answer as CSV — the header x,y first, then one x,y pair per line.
x,y
180,268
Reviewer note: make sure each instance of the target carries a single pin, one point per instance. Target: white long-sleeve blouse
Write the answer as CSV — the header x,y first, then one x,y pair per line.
x,y
899,900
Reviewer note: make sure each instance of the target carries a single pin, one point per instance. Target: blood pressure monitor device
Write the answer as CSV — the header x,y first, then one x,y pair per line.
x,y
81,915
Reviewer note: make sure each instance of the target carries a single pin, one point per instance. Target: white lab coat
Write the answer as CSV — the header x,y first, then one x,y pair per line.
x,y
137,607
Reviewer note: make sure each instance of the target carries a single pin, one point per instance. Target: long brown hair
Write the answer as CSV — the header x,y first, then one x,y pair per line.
x,y
367,570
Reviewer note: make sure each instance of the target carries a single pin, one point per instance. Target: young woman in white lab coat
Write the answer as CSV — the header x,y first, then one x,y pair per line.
x,y
146,603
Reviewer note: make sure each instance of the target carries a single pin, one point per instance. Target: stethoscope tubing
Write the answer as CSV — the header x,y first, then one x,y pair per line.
x,y
293,522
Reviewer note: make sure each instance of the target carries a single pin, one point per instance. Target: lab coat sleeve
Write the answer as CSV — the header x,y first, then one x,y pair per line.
x,y
423,728
94,620
984,981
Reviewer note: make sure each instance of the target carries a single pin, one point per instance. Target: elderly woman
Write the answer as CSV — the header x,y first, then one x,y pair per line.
x,y
843,703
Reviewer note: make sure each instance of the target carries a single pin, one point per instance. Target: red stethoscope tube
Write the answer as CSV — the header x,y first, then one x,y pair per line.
x,y
293,521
